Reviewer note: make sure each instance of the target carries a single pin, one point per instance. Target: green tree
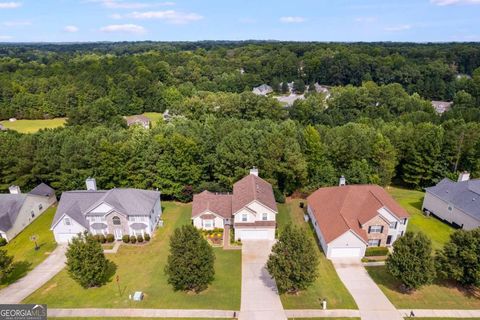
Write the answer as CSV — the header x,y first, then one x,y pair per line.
x,y
299,86
190,265
86,262
411,261
460,258
293,262
5,265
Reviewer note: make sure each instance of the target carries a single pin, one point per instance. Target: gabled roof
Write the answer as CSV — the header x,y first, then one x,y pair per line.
x,y
251,188
340,209
42,190
220,204
464,195
137,119
10,205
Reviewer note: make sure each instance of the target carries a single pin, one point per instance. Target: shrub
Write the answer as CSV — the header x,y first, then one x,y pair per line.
x,y
376,251
3,241
5,264
140,238
102,238
126,238
96,237
279,196
110,238
147,237
133,239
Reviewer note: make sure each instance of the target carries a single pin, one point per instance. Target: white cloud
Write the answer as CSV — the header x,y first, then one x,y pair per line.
x,y
452,2
129,28
10,5
365,19
401,27
17,23
169,16
120,4
292,19
71,29
5,37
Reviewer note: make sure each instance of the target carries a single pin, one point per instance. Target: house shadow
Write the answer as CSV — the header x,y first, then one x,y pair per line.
x,y
19,270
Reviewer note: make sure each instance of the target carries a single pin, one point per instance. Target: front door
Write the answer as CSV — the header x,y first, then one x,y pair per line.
x,y
118,234
389,240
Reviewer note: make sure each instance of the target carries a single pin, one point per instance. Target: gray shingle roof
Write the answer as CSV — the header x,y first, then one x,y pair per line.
x,y
131,202
464,195
42,190
10,205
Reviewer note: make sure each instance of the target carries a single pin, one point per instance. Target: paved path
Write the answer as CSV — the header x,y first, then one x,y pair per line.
x,y
316,313
21,289
260,299
429,313
371,301
114,249
141,313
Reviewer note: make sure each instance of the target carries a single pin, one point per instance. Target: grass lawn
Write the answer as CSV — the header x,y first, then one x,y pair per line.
x,y
438,231
435,296
23,250
154,117
141,268
328,285
32,126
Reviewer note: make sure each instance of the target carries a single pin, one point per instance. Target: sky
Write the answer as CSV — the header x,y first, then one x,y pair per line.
x,y
297,20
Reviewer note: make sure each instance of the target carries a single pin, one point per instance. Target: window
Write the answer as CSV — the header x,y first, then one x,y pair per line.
x,y
67,221
404,221
265,216
33,214
393,225
374,242
40,207
207,223
375,229
116,221
244,217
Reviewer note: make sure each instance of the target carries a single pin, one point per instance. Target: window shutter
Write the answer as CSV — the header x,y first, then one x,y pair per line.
x,y
381,229
369,229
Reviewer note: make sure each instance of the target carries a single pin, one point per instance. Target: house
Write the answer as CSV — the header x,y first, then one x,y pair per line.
x,y
262,90
322,89
441,106
117,211
18,210
139,120
251,209
349,218
2,128
455,202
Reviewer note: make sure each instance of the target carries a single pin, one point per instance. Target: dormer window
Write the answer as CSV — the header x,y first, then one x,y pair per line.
x,y
265,216
116,221
67,221
244,217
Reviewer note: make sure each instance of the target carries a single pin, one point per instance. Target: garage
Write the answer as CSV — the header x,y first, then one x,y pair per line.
x,y
345,252
255,234
63,237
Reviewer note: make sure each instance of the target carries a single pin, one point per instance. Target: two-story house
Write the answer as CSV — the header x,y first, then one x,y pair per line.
x,y
348,219
117,211
251,209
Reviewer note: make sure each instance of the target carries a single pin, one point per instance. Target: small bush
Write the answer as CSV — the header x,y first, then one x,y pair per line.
x,y
110,238
96,237
279,196
102,238
376,251
133,239
140,238
147,237
126,238
3,242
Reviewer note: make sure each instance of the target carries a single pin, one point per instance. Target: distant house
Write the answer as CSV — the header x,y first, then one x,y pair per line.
x,y
442,106
262,90
18,210
322,89
166,115
455,202
117,211
251,209
139,120
2,128
348,219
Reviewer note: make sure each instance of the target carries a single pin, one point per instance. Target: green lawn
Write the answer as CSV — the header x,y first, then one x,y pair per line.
x,y
154,117
141,268
32,126
23,250
438,231
328,285
435,296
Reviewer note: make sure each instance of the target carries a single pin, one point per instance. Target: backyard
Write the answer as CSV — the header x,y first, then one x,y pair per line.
x,y
328,284
23,249
32,126
141,268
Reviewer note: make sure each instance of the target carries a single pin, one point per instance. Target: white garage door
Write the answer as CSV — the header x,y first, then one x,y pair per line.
x,y
345,252
256,234
64,237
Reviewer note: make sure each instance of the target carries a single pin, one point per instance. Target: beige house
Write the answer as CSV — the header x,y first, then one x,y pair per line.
x,y
18,210
138,120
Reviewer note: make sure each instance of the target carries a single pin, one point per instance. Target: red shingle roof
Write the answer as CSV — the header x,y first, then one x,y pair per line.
x,y
252,188
220,204
339,209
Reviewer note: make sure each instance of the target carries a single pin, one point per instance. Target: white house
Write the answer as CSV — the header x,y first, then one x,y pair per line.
x,y
117,211
18,210
251,209
348,219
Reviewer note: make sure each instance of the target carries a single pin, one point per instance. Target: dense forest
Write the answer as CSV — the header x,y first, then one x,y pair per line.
x,y
377,126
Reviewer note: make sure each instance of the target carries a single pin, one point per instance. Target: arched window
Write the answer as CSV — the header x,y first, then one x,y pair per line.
x,y
116,221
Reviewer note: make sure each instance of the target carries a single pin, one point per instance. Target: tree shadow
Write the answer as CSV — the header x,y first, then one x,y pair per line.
x,y
19,270
110,272
467,291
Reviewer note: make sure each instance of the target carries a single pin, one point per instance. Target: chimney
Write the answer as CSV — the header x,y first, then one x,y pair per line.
x,y
91,184
14,189
342,181
464,176
254,171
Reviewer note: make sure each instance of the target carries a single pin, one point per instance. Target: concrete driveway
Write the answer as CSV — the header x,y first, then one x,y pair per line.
x,y
371,301
260,299
21,289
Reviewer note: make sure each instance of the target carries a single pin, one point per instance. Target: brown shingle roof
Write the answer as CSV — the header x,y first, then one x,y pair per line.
x,y
339,209
255,224
252,188
137,119
220,204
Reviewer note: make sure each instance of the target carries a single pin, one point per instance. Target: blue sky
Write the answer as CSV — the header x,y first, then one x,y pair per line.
x,y
320,20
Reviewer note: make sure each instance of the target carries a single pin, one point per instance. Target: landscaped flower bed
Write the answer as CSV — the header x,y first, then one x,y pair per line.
x,y
215,236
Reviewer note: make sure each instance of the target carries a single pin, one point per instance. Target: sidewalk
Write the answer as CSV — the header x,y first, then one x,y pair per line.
x,y
430,313
114,249
317,313
141,313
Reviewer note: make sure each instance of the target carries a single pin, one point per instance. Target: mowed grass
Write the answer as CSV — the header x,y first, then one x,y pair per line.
x,y
154,117
438,231
32,126
141,268
328,285
23,250
440,295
